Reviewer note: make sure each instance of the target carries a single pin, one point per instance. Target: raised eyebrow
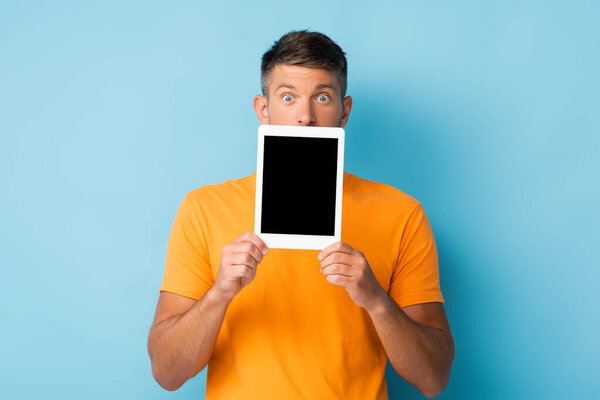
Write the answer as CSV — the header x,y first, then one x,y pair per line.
x,y
325,86
285,85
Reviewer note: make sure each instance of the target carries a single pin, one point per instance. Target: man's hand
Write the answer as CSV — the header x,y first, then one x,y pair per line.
x,y
347,267
239,260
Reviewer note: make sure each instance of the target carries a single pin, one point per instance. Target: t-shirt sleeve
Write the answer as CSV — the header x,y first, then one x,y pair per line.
x,y
415,278
187,270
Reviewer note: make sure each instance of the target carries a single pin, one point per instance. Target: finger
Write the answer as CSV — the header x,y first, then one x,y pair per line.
x,y
341,247
339,280
250,248
338,258
244,271
248,271
338,269
252,237
243,259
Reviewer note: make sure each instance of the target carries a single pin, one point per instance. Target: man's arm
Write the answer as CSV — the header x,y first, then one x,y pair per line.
x,y
183,336
417,340
184,331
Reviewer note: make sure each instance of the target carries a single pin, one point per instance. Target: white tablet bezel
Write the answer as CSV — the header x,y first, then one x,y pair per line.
x,y
306,242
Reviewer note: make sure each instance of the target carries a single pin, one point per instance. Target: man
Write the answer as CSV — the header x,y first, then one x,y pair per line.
x,y
285,324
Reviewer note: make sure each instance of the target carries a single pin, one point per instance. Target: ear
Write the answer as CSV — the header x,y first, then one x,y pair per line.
x,y
347,106
261,109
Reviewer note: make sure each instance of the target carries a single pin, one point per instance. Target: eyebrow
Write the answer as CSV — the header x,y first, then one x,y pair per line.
x,y
285,85
319,87
325,85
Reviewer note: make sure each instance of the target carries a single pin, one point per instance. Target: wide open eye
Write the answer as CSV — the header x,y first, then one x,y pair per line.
x,y
323,98
287,98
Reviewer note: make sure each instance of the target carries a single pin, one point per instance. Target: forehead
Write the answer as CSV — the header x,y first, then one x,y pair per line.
x,y
302,77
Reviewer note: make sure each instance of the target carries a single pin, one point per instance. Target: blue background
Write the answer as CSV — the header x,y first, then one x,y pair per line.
x,y
486,113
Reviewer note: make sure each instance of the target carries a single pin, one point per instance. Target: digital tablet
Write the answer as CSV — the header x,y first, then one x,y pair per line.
x,y
299,186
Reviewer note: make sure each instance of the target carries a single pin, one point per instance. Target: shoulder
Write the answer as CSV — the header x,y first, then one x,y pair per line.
x,y
231,189
379,192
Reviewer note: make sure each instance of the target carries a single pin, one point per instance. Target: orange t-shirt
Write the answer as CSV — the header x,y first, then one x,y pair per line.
x,y
290,334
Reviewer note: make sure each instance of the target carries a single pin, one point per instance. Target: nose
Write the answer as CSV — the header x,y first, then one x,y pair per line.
x,y
306,115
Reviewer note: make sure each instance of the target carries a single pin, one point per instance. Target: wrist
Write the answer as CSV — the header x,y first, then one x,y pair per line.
x,y
217,297
379,304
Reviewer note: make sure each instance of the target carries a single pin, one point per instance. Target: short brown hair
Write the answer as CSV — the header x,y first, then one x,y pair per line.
x,y
307,49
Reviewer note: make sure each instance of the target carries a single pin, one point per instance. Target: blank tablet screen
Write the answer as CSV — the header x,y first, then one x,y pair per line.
x,y
299,185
